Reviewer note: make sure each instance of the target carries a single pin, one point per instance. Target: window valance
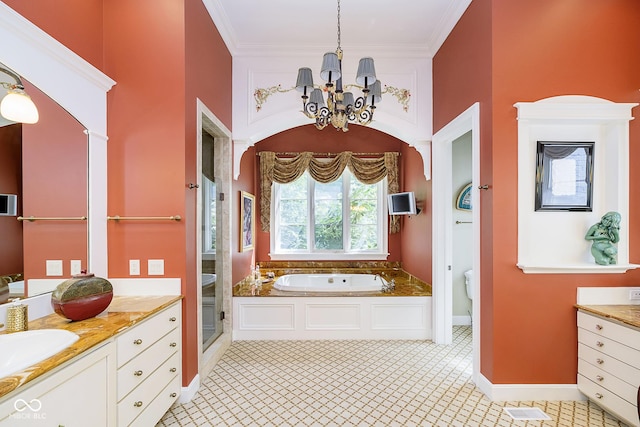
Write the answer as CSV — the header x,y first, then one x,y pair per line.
x,y
285,169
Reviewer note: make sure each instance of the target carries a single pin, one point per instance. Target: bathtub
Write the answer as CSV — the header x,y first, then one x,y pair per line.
x,y
330,283
329,307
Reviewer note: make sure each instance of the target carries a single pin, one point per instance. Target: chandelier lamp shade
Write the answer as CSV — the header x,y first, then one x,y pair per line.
x,y
16,105
340,108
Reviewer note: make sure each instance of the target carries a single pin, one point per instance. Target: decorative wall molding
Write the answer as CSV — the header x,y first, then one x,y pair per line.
x,y
261,95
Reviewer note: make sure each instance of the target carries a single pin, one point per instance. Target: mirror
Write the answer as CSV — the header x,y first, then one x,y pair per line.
x,y
45,166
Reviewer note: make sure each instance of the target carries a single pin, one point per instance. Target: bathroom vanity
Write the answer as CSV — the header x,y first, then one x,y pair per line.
x,y
609,358
125,369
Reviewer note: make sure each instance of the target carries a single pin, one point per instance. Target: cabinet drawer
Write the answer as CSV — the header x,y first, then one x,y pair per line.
x,y
616,332
608,381
609,401
142,336
605,345
142,396
610,365
140,367
160,405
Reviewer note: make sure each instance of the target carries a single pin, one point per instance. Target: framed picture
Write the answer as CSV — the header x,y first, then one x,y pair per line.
x,y
564,176
247,221
463,202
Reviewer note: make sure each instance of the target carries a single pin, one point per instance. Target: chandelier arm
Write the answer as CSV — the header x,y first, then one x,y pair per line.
x,y
366,115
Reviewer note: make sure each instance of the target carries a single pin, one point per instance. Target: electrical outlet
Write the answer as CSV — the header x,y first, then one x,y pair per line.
x,y
634,294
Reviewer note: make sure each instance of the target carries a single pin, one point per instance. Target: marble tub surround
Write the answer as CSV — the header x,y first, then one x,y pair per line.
x,y
627,314
123,312
406,284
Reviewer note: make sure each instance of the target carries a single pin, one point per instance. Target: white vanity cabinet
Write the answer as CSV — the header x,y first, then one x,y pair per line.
x,y
609,365
77,395
149,361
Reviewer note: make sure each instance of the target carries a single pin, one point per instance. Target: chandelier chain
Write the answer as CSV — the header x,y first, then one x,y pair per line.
x,y
339,47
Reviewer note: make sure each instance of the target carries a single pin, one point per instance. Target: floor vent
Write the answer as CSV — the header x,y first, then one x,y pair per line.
x,y
527,414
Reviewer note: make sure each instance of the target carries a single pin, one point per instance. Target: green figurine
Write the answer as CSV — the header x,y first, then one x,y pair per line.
x,y
605,234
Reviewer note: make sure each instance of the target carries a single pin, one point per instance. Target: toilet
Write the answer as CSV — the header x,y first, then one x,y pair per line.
x,y
468,281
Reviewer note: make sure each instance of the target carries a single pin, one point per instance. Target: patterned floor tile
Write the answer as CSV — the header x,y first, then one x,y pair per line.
x,y
358,383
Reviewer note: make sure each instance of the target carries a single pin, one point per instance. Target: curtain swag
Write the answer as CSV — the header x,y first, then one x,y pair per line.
x,y
287,169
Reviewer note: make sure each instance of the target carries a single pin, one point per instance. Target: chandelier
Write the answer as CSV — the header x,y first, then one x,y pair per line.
x,y
341,108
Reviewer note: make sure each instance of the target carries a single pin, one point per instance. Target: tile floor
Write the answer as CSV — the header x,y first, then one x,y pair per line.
x,y
358,383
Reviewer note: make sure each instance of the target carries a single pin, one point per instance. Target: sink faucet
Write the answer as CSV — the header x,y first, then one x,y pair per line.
x,y
389,286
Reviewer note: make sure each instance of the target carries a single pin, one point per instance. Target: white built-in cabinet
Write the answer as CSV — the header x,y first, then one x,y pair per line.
x,y
130,380
609,365
75,396
149,363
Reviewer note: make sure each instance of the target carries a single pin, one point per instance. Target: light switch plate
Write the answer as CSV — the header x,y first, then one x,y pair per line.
x,y
54,267
76,266
134,267
155,267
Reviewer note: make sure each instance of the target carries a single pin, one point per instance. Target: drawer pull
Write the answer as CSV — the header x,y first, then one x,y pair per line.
x,y
599,327
599,377
599,361
137,342
173,395
173,344
138,404
137,373
599,343
172,319
599,395
172,370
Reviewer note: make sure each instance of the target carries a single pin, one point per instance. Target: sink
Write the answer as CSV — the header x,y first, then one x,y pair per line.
x,y
23,349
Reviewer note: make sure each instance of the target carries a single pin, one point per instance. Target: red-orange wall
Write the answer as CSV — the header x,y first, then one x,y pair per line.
x,y
415,236
531,50
208,78
77,24
11,261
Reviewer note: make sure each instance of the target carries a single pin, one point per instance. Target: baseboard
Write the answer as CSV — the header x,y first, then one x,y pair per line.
x,y
461,320
528,392
187,393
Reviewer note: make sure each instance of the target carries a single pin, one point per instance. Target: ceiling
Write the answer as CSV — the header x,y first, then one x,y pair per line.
x,y
401,27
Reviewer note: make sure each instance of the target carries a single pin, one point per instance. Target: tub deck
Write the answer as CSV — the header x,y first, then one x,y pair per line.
x,y
406,284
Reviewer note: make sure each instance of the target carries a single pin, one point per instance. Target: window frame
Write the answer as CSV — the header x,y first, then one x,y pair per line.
x,y
311,253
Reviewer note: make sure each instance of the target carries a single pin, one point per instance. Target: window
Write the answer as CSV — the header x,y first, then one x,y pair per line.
x,y
312,220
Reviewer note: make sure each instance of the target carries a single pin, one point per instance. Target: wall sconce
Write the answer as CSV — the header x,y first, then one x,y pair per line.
x,y
17,106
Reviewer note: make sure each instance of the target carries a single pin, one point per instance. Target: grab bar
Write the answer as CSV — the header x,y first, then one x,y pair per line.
x,y
59,218
144,218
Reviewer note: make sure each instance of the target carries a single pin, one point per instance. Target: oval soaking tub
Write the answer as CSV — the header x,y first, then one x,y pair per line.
x,y
330,283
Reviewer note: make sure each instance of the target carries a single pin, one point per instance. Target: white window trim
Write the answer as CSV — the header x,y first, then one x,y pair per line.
x,y
383,227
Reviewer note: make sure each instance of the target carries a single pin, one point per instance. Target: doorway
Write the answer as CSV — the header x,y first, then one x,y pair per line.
x,y
213,222
444,199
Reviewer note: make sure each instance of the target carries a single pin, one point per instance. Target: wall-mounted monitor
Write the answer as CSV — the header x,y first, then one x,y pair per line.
x,y
402,203
8,205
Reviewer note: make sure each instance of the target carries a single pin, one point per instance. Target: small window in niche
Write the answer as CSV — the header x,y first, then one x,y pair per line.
x,y
564,176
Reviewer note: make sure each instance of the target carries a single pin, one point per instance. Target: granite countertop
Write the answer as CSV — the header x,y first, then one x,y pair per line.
x,y
627,314
122,313
406,284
